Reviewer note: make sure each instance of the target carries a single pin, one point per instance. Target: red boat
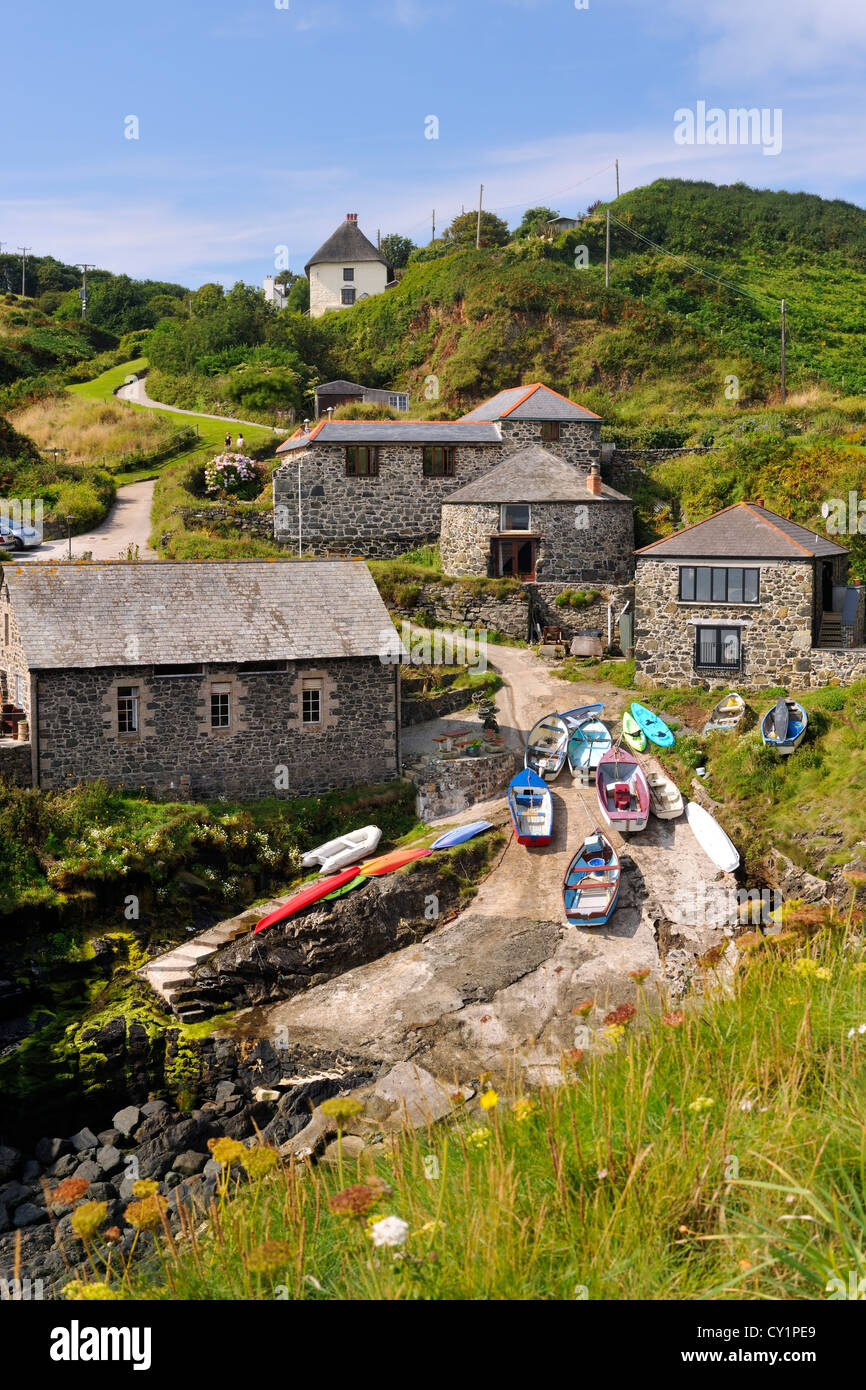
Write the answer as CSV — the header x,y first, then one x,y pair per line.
x,y
311,894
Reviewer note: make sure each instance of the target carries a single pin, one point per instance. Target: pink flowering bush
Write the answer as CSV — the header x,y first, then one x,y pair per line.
x,y
232,473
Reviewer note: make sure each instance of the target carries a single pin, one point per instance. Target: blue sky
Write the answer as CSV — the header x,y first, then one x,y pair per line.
x,y
262,126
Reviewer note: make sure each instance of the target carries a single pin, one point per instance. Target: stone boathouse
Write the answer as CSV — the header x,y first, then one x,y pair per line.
x,y
244,678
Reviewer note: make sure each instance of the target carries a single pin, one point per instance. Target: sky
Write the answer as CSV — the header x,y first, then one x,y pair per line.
x,y
261,123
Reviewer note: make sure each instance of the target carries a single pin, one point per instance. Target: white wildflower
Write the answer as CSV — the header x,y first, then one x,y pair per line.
x,y
390,1230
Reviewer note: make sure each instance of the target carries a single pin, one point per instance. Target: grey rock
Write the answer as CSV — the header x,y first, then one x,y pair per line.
x,y
4,1218
172,1178
65,1166
12,1194
84,1139
224,1090
127,1119
9,1161
109,1159
31,1172
101,1192
111,1138
48,1151
89,1170
153,1107
28,1214
211,1170
189,1163
416,1096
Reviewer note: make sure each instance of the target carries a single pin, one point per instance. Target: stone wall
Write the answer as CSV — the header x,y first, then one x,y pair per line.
x,y
446,787
15,765
12,660
627,466
579,440
228,521
593,617
841,665
454,606
776,637
579,542
177,752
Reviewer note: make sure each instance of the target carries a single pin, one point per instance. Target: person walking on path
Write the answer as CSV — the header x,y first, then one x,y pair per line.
x,y
228,439
240,443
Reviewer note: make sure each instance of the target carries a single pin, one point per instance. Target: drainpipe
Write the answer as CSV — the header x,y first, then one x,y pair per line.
x,y
34,730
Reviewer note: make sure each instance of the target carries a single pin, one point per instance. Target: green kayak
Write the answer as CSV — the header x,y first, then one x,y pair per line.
x,y
347,887
633,733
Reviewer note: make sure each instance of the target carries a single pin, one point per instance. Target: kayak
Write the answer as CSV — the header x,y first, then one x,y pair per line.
x,y
306,897
655,728
460,833
633,733
386,863
712,838
346,888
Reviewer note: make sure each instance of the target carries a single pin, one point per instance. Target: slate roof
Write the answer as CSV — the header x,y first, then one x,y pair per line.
x,y
536,402
334,387
394,432
346,244
84,615
743,531
532,474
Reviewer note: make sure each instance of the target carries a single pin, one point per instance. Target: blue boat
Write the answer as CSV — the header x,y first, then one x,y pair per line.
x,y
591,885
581,713
655,728
530,802
461,833
784,726
587,744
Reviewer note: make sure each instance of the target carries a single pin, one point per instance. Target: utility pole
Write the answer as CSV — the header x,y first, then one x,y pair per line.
x,y
607,253
478,228
84,267
616,162
23,250
378,238
784,392
433,238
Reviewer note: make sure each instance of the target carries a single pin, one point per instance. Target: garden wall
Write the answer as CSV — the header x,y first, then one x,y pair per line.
x,y
446,787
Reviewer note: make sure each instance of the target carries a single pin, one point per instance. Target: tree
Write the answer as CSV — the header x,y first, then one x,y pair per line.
x,y
533,222
396,249
299,295
494,232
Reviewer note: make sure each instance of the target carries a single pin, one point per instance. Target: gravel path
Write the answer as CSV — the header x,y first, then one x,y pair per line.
x,y
135,391
127,524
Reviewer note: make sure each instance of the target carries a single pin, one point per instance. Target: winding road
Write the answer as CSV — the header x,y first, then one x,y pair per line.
x,y
136,393
127,525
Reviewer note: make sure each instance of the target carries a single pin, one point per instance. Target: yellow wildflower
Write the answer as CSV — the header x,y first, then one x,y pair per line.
x,y
146,1215
145,1187
79,1292
489,1100
478,1138
259,1161
523,1108
700,1103
226,1150
269,1257
87,1219
341,1107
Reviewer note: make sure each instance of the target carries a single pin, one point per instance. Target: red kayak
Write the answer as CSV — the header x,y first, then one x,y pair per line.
x,y
388,862
308,895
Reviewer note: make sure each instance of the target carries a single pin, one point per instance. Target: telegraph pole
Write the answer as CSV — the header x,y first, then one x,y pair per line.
x,y
607,253
23,250
784,392
478,228
84,267
433,238
616,162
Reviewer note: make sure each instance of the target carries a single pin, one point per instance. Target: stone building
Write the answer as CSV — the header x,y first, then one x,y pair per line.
x,y
247,679
746,599
377,486
347,269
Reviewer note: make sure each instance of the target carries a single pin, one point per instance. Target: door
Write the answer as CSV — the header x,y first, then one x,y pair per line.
x,y
514,558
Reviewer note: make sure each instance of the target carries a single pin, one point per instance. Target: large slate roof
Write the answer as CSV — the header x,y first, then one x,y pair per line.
x,y
536,402
85,615
532,474
394,432
743,531
346,244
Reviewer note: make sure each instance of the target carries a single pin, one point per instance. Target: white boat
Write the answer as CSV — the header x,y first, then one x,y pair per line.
x,y
712,838
346,849
546,747
727,714
666,799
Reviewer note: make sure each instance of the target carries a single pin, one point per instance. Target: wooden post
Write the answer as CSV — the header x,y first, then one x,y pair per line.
x,y
607,253
783,364
478,228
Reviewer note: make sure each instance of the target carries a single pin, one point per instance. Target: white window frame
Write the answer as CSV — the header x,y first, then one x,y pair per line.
x,y
134,701
19,692
220,689
313,686
503,514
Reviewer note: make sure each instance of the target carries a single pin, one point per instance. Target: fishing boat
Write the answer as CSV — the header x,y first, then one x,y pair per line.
x,y
652,725
460,834
346,849
387,863
546,746
581,713
784,726
666,799
530,802
727,715
632,732
712,838
309,894
591,884
587,743
622,791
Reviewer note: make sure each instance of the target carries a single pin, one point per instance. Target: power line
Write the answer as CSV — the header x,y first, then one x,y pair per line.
x,y
718,279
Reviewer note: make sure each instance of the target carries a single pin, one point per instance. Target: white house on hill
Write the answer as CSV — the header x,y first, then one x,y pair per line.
x,y
348,268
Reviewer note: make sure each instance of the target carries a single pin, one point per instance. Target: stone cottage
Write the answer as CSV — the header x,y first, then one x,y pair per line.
x,y
241,678
746,599
347,269
376,487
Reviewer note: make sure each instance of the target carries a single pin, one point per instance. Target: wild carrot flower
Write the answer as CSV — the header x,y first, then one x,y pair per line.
x,y
354,1201
614,1032
489,1100
259,1161
146,1215
87,1219
573,1057
674,1019
226,1150
342,1107
638,975
391,1231
79,1292
69,1191
700,1103
861,1028
859,967
114,1235
624,1013
583,1009
478,1138
523,1108
145,1187
269,1257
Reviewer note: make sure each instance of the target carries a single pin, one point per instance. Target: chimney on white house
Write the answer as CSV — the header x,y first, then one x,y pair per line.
x,y
593,480
351,217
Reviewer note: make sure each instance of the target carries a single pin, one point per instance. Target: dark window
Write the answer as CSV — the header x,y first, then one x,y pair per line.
x,y
127,709
438,462
348,272
347,296
718,647
181,668
252,668
515,516
717,584
362,461
513,558
311,704
550,429
220,708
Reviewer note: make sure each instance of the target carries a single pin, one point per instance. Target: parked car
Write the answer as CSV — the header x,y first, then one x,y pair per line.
x,y
14,536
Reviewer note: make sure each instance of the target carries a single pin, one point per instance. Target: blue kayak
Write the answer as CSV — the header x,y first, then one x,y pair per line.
x,y
461,833
655,728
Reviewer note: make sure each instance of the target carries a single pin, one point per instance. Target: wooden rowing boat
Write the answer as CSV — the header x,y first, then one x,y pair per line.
x,y
622,791
530,804
666,799
546,746
727,715
587,744
591,885
783,727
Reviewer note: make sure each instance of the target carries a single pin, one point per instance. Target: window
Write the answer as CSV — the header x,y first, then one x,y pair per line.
x,y
220,707
261,667
438,462
550,429
127,709
181,668
718,647
19,692
711,584
398,401
513,558
362,461
347,296
311,702
515,516
348,272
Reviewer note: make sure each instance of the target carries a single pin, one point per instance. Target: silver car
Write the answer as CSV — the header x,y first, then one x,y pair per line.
x,y
14,536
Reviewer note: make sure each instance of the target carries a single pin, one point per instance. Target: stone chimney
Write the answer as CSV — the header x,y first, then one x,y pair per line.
x,y
593,480
759,501
351,217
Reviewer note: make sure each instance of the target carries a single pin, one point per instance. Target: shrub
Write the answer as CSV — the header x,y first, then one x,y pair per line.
x,y
234,474
576,598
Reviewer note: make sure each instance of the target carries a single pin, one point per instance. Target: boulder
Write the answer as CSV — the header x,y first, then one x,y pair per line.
x,y
153,1107
111,1138
126,1120
28,1214
224,1090
89,1170
189,1163
84,1139
416,1098
9,1161
65,1166
12,1194
48,1151
31,1172
109,1159
346,1149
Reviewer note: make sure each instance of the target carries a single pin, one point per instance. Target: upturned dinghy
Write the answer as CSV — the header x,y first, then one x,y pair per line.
x,y
712,838
784,726
581,713
727,715
460,834
632,732
308,895
591,884
586,745
530,803
546,747
666,799
652,725
346,849
622,791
